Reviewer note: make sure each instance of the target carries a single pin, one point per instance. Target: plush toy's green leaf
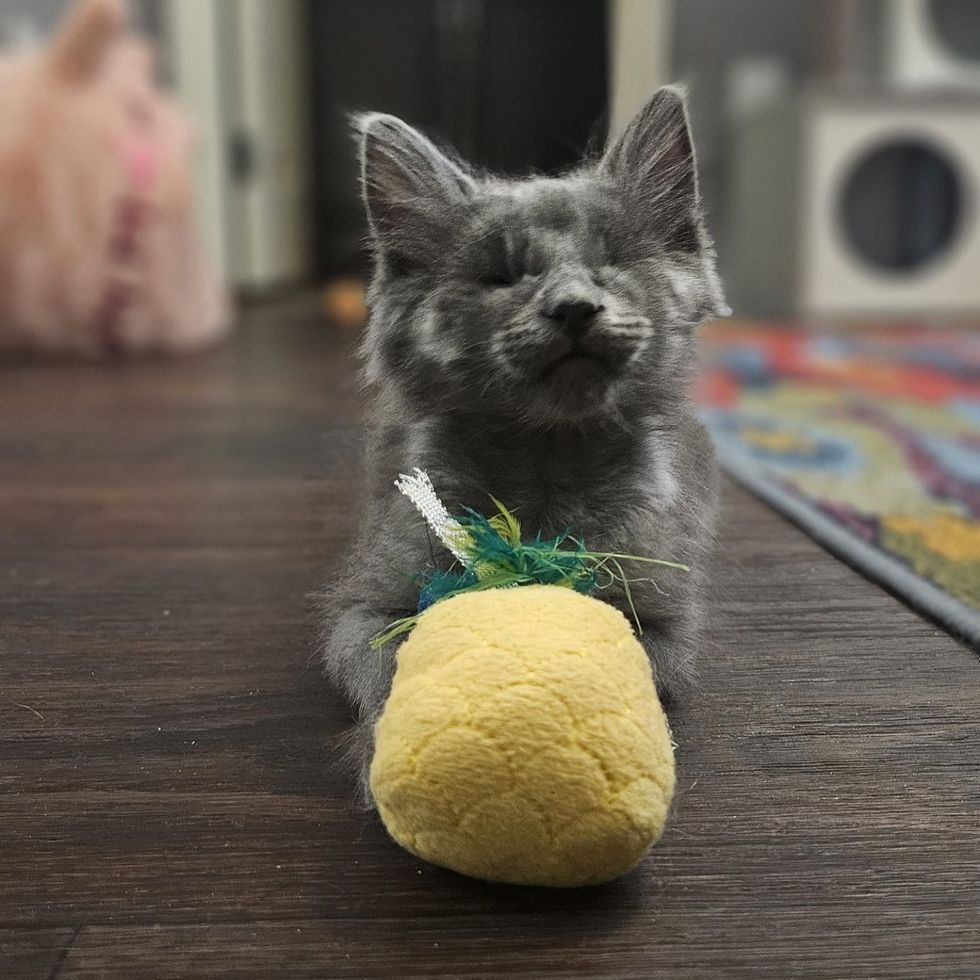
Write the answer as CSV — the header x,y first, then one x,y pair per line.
x,y
506,523
497,558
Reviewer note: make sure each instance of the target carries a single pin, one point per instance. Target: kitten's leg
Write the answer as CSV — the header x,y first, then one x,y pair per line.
x,y
673,653
357,747
669,603
378,588
363,674
667,609
671,614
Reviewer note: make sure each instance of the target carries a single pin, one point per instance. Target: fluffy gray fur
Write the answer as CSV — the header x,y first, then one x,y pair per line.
x,y
533,339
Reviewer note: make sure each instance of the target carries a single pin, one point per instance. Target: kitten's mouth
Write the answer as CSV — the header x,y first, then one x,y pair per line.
x,y
579,359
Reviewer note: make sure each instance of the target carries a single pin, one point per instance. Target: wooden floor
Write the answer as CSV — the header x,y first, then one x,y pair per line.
x,y
167,804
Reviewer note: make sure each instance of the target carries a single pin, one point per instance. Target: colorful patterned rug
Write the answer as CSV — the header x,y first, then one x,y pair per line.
x,y
869,440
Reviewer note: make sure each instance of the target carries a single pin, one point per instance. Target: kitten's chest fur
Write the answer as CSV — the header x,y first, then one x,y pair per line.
x,y
583,481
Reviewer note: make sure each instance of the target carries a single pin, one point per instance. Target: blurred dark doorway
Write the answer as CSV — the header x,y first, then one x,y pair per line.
x,y
514,85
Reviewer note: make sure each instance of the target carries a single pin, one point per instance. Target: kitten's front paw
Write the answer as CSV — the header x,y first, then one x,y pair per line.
x,y
357,749
673,662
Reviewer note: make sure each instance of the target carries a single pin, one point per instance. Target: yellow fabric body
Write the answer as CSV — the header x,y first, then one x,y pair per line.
x,y
523,740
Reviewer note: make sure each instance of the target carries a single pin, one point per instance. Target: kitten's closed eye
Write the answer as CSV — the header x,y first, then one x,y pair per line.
x,y
500,276
504,263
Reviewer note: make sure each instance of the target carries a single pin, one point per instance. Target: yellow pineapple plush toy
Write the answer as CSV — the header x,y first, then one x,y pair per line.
x,y
523,740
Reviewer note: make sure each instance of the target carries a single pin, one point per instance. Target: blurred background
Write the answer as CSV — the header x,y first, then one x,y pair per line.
x,y
839,153
839,140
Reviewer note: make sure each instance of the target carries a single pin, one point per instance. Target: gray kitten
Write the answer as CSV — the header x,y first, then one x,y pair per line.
x,y
533,339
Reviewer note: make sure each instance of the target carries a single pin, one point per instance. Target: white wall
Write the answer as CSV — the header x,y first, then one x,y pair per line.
x,y
640,40
42,15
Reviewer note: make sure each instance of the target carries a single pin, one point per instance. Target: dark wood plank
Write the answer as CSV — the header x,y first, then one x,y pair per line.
x,y
166,785
577,943
29,953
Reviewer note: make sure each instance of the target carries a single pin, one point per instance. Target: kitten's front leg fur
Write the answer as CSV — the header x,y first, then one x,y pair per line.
x,y
363,674
671,609
378,589
672,650
670,628
670,605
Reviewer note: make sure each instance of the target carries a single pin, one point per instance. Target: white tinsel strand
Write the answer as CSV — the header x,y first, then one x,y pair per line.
x,y
418,488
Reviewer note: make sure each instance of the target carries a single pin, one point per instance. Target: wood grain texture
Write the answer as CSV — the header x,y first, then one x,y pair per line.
x,y
34,952
167,802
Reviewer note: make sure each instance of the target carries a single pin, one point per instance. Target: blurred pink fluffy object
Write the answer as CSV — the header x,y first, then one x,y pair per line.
x,y
99,252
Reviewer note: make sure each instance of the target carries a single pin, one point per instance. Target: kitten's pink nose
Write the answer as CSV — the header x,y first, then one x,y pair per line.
x,y
574,316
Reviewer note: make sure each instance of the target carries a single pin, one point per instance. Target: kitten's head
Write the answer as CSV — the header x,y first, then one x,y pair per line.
x,y
556,301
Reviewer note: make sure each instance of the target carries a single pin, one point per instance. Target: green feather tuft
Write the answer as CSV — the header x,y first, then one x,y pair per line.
x,y
497,558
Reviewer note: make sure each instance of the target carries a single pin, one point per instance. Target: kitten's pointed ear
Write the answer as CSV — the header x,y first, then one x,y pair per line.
x,y
84,39
653,160
411,190
653,164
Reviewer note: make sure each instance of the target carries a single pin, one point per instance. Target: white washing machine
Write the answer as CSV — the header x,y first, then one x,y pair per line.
x,y
860,206
933,43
